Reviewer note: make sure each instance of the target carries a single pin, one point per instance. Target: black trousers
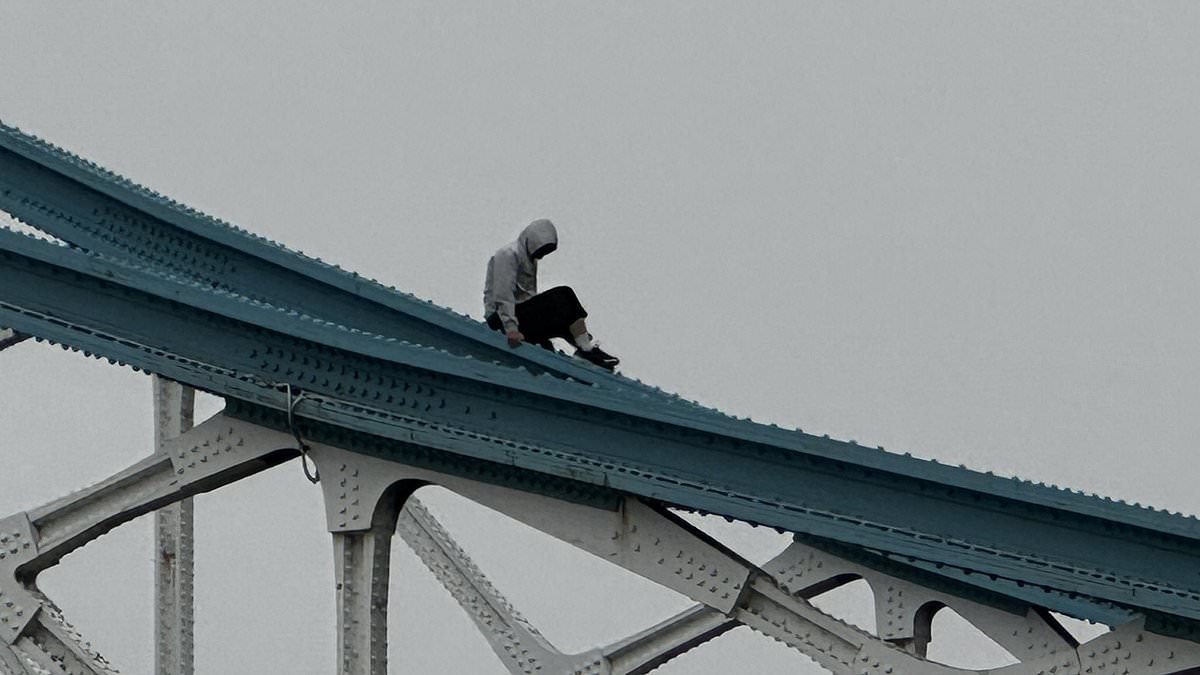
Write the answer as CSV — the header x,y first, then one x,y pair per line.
x,y
546,315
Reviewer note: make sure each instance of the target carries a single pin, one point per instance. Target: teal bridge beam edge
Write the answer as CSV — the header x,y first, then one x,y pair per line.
x,y
74,226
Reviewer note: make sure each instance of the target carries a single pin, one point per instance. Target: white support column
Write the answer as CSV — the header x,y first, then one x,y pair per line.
x,y
174,409
362,562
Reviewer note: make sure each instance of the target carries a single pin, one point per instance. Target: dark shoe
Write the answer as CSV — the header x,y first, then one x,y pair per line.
x,y
599,357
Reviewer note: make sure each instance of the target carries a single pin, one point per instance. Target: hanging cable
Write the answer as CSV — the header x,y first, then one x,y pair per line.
x,y
313,476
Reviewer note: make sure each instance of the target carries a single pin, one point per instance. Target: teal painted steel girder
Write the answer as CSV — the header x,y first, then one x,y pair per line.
x,y
90,208
180,311
191,334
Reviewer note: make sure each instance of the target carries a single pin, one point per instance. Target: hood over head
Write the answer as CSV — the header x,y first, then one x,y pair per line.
x,y
538,235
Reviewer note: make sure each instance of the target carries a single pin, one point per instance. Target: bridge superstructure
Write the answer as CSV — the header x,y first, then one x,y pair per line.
x,y
380,393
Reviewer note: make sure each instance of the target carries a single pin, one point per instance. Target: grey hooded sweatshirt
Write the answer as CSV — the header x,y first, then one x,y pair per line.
x,y
512,273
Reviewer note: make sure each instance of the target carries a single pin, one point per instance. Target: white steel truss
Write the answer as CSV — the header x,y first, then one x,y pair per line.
x,y
368,499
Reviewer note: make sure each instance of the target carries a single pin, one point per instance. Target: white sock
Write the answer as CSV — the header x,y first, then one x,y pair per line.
x,y
584,341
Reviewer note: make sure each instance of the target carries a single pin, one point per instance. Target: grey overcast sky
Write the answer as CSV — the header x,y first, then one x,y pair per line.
x,y
962,230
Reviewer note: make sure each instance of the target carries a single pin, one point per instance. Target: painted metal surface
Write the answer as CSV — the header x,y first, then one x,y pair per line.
x,y
161,315
773,602
34,634
515,641
386,388
362,565
143,281
174,534
98,211
904,609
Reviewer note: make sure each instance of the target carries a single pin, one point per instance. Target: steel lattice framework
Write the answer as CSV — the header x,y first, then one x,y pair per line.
x,y
385,393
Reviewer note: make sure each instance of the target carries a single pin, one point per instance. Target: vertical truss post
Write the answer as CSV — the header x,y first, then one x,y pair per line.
x,y
362,562
174,410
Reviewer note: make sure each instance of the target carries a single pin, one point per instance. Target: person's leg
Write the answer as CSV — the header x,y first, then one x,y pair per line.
x,y
580,335
557,313
550,315
577,330
589,348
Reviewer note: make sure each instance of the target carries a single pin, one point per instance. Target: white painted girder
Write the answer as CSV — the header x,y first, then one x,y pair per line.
x,y
174,534
517,643
33,632
645,651
53,645
12,663
362,565
775,604
902,608
648,541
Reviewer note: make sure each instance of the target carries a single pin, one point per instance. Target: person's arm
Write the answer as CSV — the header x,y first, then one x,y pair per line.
x,y
504,284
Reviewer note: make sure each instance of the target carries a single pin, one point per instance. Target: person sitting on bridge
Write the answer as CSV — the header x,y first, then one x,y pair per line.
x,y
512,304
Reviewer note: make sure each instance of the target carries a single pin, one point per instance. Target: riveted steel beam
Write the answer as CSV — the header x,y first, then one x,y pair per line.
x,y
645,541
51,645
234,450
383,388
516,642
169,291
222,450
1040,645
18,606
32,629
902,607
642,540
174,635
1133,649
362,562
164,281
37,539
646,650
88,207
12,663
648,541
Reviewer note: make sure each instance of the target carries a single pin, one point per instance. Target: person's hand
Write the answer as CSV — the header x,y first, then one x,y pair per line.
x,y
515,338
